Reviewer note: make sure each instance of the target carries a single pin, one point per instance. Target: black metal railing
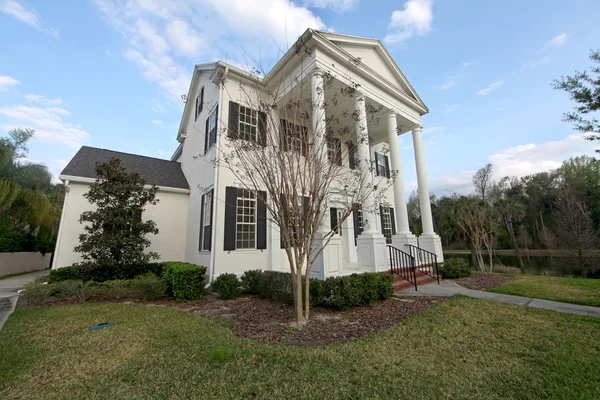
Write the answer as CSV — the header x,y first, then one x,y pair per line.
x,y
425,261
403,265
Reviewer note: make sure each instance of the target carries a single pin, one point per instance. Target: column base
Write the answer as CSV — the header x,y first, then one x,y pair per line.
x,y
432,242
400,240
372,252
329,262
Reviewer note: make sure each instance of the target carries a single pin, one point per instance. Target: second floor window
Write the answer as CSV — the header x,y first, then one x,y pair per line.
x,y
293,137
248,124
334,150
382,165
211,129
199,103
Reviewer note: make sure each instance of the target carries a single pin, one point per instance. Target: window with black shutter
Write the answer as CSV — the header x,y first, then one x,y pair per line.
x,y
334,150
351,155
207,206
247,124
382,166
388,228
245,219
293,137
211,129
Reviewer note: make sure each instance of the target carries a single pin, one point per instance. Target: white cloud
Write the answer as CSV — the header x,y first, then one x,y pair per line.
x,y
556,41
156,122
450,83
414,20
492,86
450,108
519,161
433,129
533,64
336,5
6,81
46,101
467,63
48,124
29,17
158,33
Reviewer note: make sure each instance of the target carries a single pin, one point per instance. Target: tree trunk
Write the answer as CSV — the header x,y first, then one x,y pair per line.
x,y
513,239
307,296
300,320
473,254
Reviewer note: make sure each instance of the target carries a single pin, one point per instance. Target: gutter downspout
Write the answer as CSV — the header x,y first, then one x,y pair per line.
x,y
216,186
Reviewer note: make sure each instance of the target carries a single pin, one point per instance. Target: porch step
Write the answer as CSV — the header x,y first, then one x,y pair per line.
x,y
401,284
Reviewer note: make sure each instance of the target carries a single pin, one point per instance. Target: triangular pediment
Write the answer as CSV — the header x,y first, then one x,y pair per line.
x,y
372,54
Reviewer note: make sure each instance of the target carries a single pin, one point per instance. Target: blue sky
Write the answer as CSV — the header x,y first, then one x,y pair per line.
x,y
109,73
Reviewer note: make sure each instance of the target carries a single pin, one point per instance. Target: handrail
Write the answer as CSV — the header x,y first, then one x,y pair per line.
x,y
426,261
403,265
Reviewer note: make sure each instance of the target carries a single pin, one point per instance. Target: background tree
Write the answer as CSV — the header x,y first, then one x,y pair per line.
x,y
114,233
295,165
584,90
30,204
482,180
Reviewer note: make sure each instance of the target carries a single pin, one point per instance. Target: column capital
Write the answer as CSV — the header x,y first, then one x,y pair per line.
x,y
391,114
417,128
316,71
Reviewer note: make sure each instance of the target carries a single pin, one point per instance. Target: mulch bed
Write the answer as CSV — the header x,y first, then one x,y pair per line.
x,y
483,281
268,321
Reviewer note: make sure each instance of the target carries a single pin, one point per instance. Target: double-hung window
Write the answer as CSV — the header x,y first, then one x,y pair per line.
x,y
246,220
334,150
382,165
248,124
211,129
386,224
294,137
206,221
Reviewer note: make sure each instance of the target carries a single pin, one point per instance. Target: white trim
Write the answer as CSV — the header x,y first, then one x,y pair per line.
x,y
82,179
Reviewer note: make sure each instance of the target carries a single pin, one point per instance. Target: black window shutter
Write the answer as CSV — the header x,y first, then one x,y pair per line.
x,y
351,160
284,206
201,100
284,134
333,219
196,109
261,220
212,207
234,120
206,137
304,140
387,166
213,133
230,220
357,230
201,223
262,128
381,217
393,221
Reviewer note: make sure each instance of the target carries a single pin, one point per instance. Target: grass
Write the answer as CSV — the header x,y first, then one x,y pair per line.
x,y
566,290
463,348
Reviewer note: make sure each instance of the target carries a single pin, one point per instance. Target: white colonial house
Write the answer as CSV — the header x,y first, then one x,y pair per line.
x,y
205,217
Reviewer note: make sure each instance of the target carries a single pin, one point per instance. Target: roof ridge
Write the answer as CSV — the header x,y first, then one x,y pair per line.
x,y
131,154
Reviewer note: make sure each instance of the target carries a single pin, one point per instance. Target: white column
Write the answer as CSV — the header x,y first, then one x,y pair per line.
x,y
425,204
429,240
319,132
399,193
371,246
364,158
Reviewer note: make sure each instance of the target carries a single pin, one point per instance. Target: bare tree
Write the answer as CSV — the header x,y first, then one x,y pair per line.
x,y
295,162
482,180
574,227
479,222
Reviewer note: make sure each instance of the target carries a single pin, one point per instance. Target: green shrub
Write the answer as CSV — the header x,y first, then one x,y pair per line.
x,y
62,274
251,281
353,290
455,268
184,281
277,286
227,286
72,290
117,289
35,294
150,286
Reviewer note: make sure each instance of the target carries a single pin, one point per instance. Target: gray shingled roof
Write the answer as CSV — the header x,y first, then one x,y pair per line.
x,y
154,170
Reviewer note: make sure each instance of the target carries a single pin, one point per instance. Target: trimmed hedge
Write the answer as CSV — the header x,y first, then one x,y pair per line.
x,y
454,268
339,292
251,281
227,286
184,281
89,271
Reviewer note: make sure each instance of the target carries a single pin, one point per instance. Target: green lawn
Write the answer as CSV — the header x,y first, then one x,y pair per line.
x,y
463,348
567,290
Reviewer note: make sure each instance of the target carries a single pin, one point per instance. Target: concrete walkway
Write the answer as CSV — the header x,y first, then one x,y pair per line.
x,y
8,292
449,289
